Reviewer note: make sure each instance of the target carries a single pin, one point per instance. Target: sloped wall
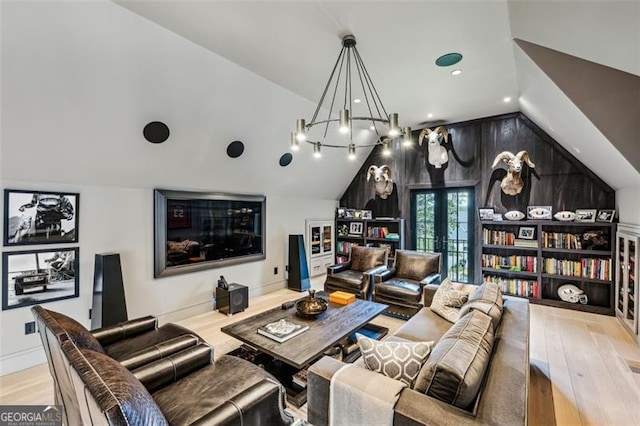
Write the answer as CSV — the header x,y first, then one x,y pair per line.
x,y
558,179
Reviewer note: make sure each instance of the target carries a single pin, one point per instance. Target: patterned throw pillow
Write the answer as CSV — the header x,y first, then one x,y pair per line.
x,y
448,299
397,360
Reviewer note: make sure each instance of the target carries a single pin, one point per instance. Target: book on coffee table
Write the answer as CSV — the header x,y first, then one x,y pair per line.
x,y
282,330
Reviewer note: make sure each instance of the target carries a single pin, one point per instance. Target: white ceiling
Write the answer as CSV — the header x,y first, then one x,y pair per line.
x,y
295,44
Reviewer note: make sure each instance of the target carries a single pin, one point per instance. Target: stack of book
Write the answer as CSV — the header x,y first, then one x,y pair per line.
x,y
282,330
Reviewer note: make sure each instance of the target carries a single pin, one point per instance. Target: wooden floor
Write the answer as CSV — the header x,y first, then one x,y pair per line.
x,y
580,365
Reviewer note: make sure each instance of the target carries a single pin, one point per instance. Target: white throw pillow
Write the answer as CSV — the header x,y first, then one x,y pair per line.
x,y
398,360
448,299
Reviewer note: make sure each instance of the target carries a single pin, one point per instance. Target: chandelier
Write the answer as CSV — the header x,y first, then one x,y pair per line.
x,y
349,84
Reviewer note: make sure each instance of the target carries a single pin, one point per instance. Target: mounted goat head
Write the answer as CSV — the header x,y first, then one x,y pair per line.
x,y
437,153
512,183
382,180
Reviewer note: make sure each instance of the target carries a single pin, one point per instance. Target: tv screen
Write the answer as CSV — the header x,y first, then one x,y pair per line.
x,y
199,230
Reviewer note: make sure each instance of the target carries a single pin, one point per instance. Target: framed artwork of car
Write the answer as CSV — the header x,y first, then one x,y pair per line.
x,y
40,217
39,276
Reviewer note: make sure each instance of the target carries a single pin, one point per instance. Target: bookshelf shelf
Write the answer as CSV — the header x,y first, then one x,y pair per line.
x,y
374,232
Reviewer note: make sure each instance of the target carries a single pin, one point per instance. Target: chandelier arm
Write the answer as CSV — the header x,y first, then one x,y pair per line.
x,y
333,99
331,120
326,88
366,98
368,77
367,145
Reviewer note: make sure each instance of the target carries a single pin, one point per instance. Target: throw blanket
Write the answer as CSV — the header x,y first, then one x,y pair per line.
x,y
358,396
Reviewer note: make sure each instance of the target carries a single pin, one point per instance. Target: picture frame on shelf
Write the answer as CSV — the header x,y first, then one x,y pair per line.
x,y
485,213
606,215
527,232
586,215
40,217
341,213
356,228
366,214
39,276
497,217
539,212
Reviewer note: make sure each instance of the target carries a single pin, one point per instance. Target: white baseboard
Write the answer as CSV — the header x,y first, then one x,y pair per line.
x,y
22,360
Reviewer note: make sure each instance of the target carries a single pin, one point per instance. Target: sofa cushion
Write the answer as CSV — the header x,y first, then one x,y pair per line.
x,y
486,299
416,265
424,326
398,360
365,258
457,364
78,334
118,394
448,295
124,348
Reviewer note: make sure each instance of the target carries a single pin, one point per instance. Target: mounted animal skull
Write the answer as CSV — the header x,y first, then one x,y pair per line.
x,y
437,153
512,183
382,180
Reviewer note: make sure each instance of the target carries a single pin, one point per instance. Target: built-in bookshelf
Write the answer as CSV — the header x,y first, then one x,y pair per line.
x,y
533,259
386,233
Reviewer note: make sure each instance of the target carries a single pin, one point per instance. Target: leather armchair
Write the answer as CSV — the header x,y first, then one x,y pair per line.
x,y
356,275
401,287
132,343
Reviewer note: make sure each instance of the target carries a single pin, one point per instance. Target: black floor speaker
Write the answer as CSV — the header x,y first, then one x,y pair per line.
x,y
232,300
298,267
109,304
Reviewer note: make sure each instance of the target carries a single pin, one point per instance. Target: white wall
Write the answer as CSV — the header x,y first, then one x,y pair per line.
x,y
80,81
628,200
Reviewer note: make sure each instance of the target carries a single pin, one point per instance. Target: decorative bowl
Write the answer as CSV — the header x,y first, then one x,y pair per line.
x,y
514,215
311,306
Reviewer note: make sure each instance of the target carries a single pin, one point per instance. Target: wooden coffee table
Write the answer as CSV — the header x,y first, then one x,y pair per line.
x,y
325,331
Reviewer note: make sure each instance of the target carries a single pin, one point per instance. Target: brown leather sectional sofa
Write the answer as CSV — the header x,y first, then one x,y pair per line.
x,y
501,395
138,373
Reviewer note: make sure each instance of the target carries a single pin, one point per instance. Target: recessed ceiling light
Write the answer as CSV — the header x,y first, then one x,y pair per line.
x,y
429,115
448,59
356,101
507,99
456,72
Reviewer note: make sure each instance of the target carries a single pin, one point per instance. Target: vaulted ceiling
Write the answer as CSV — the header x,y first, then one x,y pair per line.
x,y
294,44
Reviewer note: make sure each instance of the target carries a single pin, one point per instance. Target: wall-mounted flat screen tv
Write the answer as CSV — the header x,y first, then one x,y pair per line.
x,y
203,230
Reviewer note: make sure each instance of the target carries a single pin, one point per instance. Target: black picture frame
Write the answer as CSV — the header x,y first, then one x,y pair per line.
x,y
40,217
527,232
34,277
194,231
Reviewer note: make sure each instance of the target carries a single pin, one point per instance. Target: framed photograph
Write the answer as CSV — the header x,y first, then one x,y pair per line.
x,y
366,214
527,232
485,213
355,228
497,217
39,276
586,215
539,212
341,213
606,216
36,217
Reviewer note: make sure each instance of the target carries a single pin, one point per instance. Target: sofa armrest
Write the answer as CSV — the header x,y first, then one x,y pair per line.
x,y
416,408
384,275
158,351
114,333
427,293
167,370
318,381
333,269
375,270
434,278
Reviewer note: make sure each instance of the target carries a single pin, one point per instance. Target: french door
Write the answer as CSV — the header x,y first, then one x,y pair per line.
x,y
443,222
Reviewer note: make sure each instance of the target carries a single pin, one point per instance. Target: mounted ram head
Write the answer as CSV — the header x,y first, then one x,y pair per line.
x,y
512,183
437,153
382,180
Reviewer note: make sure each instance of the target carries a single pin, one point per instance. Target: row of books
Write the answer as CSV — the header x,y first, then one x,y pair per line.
x,y
378,232
597,269
514,286
490,236
561,240
344,246
521,263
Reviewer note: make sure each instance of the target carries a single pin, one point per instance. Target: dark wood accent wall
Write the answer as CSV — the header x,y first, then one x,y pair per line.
x,y
558,179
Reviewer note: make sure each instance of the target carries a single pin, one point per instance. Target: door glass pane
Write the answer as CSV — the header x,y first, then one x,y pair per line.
x,y
315,239
631,296
425,222
457,243
620,274
327,239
